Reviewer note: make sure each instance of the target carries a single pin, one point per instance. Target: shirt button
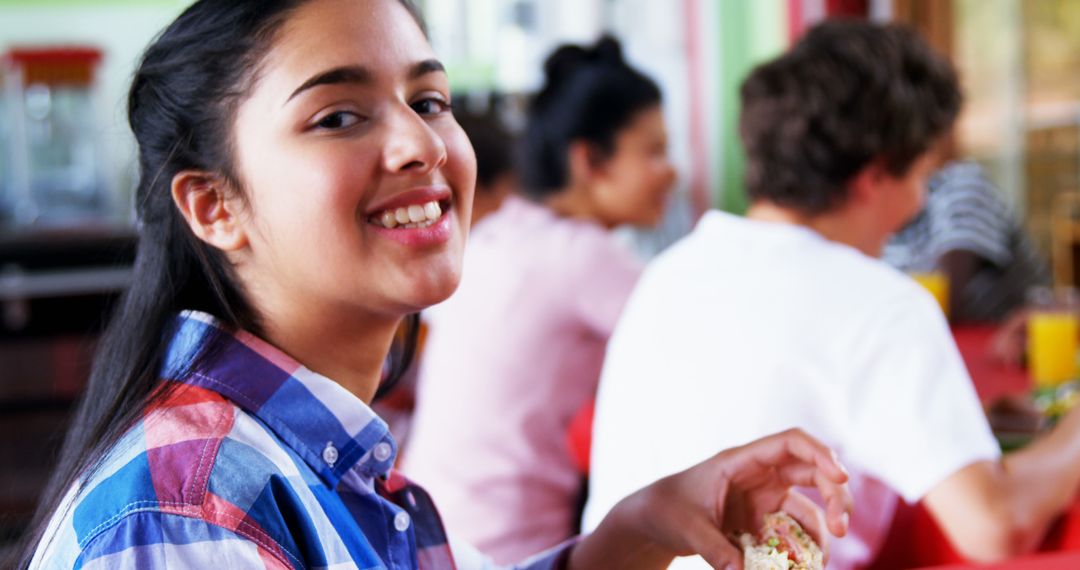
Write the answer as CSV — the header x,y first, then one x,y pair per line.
x,y
330,454
401,521
382,451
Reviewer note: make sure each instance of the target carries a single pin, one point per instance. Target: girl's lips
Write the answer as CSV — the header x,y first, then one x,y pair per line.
x,y
416,214
416,196
437,233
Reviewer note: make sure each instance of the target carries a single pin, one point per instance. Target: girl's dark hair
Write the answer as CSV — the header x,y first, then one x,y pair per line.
x,y
589,94
181,106
492,144
850,92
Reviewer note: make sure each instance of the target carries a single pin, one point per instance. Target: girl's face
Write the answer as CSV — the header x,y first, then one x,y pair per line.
x,y
358,180
635,180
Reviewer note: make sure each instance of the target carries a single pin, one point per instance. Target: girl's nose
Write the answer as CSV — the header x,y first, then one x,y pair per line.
x,y
411,144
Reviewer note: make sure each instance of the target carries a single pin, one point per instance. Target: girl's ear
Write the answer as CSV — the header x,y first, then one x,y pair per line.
x,y
586,162
212,215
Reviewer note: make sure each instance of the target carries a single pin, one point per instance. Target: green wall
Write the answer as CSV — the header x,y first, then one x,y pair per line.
x,y
750,32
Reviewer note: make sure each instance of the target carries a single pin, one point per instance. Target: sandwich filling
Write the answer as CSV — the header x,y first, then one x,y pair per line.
x,y
781,545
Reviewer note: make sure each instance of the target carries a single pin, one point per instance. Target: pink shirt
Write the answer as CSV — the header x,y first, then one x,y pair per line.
x,y
508,360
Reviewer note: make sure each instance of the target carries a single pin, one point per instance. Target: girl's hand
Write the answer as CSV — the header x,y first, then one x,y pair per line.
x,y
694,511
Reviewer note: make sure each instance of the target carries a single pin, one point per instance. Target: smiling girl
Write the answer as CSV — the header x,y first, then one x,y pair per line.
x,y
303,189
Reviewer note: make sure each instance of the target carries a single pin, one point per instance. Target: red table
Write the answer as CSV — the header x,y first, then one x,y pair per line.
x,y
992,379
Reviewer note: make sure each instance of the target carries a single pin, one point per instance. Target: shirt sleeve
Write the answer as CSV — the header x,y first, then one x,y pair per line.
x,y
606,272
966,214
914,416
153,540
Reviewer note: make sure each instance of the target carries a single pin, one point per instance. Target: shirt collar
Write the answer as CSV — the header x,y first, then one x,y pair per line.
x,y
332,430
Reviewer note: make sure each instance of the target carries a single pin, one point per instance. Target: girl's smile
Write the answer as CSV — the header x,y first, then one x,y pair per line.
x,y
420,217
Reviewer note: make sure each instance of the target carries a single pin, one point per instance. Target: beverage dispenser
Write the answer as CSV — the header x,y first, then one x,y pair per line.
x,y
52,169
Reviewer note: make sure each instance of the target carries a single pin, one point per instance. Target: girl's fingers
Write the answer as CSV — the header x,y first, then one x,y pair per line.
x,y
778,450
796,459
837,497
798,475
838,510
809,515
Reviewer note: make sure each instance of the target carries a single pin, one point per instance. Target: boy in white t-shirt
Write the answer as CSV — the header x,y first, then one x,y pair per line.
x,y
786,318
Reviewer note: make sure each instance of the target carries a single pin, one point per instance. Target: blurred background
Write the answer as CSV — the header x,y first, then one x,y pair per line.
x,y
67,160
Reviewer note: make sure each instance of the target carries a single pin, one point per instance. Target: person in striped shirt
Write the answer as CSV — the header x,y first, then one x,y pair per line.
x,y
304,188
967,231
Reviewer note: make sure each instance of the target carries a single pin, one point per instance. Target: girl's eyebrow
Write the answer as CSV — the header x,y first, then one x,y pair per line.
x,y
425,67
346,74
361,75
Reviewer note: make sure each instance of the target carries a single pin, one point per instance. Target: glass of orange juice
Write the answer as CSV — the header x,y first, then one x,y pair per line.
x,y
1053,331
937,283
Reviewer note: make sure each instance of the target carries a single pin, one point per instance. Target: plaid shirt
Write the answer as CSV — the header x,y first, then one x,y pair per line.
x,y
252,461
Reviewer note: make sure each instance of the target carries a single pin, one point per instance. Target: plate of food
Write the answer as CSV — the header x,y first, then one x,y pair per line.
x,y
1018,419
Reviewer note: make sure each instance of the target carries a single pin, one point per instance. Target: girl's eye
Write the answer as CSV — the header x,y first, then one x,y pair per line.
x,y
431,106
338,120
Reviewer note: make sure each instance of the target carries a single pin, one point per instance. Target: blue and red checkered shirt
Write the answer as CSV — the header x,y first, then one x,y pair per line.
x,y
252,461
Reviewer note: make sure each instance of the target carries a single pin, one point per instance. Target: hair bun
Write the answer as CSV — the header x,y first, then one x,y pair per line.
x,y
608,50
569,58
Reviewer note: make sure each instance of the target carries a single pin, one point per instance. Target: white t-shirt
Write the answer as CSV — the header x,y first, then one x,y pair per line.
x,y
747,328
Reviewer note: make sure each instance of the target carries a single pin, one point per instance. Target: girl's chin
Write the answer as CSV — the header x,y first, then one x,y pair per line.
x,y
423,296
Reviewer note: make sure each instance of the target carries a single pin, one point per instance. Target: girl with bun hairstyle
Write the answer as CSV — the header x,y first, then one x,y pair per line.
x,y
303,189
517,350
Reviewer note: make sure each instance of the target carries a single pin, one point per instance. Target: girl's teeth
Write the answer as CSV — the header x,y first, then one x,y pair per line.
x,y
414,216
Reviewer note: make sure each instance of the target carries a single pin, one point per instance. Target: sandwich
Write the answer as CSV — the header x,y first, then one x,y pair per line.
x,y
781,545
